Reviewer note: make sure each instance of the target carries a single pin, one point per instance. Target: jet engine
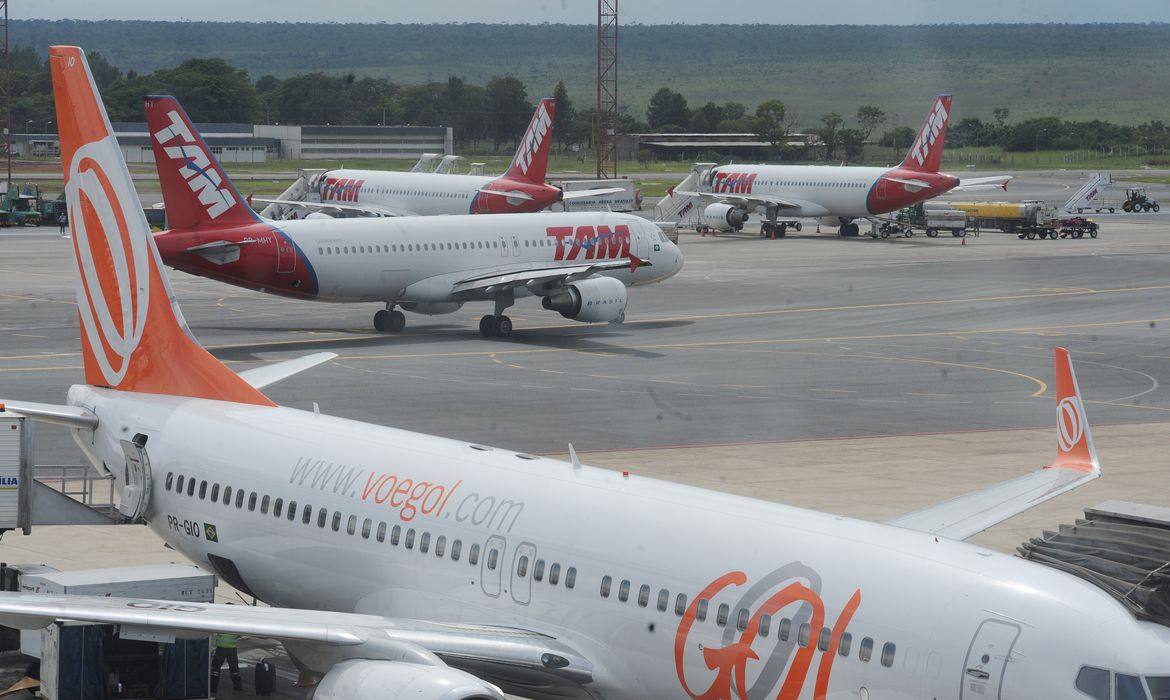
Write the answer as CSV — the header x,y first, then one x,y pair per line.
x,y
361,679
725,217
432,308
596,299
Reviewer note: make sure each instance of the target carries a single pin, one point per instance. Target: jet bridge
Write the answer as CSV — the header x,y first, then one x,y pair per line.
x,y
1122,548
50,494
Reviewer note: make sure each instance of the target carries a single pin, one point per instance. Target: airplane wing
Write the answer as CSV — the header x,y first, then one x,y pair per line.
x,y
754,201
1076,464
260,377
538,277
325,207
488,649
581,194
983,183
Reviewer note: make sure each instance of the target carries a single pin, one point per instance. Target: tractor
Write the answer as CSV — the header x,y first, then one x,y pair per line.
x,y
1136,200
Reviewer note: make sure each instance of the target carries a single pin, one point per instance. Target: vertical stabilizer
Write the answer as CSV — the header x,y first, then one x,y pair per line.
x,y
1074,440
133,336
195,188
925,154
530,163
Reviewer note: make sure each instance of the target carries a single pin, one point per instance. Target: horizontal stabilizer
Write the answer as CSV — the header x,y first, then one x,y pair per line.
x,y
260,377
510,194
582,194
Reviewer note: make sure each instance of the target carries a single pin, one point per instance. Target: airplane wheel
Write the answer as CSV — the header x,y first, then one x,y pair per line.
x,y
397,320
503,327
382,321
797,226
487,326
853,230
781,230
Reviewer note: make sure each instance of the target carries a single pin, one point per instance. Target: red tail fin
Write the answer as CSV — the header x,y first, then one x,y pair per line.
x,y
925,155
195,188
1074,441
133,336
531,161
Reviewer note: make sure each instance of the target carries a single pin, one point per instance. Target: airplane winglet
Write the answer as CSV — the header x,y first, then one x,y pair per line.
x,y
573,458
1074,441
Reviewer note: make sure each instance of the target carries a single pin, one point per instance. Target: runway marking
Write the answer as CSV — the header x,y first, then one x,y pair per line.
x,y
23,297
745,386
923,393
835,391
40,369
29,335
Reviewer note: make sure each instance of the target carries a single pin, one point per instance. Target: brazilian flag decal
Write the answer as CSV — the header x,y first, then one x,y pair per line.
x,y
209,533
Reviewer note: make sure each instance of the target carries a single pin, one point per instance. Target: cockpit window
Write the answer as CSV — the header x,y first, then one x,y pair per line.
x,y
1128,688
1159,687
1093,682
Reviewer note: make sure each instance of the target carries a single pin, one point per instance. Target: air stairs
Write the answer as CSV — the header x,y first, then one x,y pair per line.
x,y
1090,197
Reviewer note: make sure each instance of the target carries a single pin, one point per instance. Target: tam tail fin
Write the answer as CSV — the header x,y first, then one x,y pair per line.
x,y
530,163
925,155
133,336
1074,440
195,188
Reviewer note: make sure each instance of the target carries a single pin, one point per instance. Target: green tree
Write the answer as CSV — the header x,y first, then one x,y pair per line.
x,y
563,118
831,124
508,110
667,107
869,117
770,122
210,90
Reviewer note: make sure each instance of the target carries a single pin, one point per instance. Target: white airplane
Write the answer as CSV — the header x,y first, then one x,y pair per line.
x,y
729,194
387,193
579,264
408,565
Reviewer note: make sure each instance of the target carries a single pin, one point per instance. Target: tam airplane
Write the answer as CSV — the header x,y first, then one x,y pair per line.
x,y
836,195
578,264
387,193
403,565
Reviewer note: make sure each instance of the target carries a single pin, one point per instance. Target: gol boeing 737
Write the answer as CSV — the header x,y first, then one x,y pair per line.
x,y
407,565
578,263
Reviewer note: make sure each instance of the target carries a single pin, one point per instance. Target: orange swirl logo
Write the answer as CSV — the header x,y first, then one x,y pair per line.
x,y
113,274
1070,423
786,663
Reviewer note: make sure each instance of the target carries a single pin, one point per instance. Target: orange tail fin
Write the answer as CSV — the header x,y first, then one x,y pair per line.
x,y
925,155
133,335
1074,441
530,163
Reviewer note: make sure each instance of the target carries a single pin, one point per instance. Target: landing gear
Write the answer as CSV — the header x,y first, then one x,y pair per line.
x,y
495,326
773,231
389,320
848,230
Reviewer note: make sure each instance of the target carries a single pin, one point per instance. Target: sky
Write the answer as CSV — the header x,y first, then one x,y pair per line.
x,y
630,11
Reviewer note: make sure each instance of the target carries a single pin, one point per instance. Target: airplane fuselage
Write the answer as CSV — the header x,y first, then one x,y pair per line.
x,y
428,194
663,587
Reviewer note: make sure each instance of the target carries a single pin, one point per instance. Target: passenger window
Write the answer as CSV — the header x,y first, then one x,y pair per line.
x,y
179,484
473,556
804,634
765,625
202,490
409,544
214,492
493,559
190,487
606,584
396,535
701,610
322,517
336,521
264,505
381,536
456,549
227,494
308,516
624,591
522,567
351,525
440,546
643,596
888,654
571,577
721,614
785,630
367,527
252,501
424,543
741,620
277,507
170,480
538,570
845,644
240,498
680,604
825,639
663,600
1128,687
554,574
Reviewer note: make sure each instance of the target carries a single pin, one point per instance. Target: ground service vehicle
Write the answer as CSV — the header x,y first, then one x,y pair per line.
x,y
1136,200
21,206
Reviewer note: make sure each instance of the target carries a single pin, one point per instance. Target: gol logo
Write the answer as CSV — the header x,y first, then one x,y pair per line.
x,y
794,586
1070,423
113,262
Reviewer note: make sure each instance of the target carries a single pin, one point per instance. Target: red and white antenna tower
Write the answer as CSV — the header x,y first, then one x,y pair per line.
x,y
607,130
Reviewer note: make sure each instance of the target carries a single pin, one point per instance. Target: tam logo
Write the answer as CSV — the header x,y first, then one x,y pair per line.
x,y
600,243
733,183
341,189
203,179
530,144
750,665
920,151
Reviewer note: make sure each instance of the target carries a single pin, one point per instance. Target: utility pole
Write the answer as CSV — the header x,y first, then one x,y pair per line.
x,y
7,100
606,139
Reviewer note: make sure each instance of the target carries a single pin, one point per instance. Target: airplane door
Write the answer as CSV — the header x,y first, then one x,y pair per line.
x,y
136,481
522,562
515,246
639,245
286,255
503,247
880,191
491,567
987,659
